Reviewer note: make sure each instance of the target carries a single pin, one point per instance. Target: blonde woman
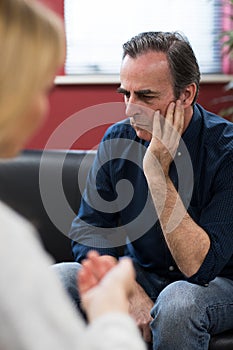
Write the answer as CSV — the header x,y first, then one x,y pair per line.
x,y
35,312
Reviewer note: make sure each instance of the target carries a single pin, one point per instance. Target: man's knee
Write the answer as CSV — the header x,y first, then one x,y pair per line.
x,y
67,273
179,300
179,317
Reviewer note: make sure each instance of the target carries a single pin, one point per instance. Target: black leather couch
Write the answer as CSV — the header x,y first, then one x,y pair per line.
x,y
20,182
21,188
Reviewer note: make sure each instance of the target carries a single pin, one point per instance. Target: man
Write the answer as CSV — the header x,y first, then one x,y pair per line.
x,y
179,235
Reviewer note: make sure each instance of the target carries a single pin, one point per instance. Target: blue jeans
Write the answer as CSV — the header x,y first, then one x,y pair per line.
x,y
185,315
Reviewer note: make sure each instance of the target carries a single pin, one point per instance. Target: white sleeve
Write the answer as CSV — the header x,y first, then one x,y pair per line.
x,y
35,311
115,331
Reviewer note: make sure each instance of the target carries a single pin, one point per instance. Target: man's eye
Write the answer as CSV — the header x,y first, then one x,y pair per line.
x,y
124,93
127,94
147,97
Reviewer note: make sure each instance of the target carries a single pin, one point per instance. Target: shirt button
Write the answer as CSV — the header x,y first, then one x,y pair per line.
x,y
171,268
178,154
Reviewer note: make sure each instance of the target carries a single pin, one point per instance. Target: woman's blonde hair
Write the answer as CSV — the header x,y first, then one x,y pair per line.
x,y
32,48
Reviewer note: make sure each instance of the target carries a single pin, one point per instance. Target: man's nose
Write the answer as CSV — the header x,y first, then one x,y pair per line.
x,y
132,109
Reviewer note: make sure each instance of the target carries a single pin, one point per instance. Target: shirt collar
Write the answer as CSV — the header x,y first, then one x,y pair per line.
x,y
192,133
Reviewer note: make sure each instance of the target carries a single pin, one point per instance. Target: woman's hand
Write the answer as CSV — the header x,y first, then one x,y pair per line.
x,y
105,285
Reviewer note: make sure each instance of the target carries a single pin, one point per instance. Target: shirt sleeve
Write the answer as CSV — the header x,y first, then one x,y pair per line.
x,y
217,220
96,225
115,329
36,312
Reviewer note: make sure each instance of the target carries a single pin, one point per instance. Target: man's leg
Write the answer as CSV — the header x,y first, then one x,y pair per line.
x,y
152,284
185,314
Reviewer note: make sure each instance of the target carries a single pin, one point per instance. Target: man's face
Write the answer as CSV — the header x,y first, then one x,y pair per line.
x,y
146,83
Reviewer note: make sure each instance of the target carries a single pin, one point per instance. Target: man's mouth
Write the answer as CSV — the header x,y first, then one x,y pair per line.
x,y
141,126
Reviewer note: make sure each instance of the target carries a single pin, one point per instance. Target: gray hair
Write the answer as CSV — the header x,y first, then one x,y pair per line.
x,y
181,58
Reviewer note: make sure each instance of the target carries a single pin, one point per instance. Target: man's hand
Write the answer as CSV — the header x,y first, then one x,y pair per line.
x,y
139,308
165,140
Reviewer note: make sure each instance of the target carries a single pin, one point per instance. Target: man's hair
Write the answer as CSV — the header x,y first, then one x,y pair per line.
x,y
181,58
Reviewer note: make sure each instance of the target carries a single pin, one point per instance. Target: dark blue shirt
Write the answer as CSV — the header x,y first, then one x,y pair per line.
x,y
117,208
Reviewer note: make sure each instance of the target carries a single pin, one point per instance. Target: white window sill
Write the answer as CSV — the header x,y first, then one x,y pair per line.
x,y
114,79
87,79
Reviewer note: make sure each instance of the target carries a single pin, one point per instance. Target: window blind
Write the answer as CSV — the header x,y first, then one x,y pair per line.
x,y
96,30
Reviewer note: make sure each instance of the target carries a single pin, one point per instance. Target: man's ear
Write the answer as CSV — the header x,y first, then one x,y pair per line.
x,y
188,95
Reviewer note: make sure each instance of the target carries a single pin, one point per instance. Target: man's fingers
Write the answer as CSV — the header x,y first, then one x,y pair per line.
x,y
179,117
146,333
157,127
170,113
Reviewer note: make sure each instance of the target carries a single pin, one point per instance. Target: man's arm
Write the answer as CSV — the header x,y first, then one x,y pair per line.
x,y
187,241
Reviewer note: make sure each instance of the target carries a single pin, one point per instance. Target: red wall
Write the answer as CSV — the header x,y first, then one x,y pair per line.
x,y
56,5
65,100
